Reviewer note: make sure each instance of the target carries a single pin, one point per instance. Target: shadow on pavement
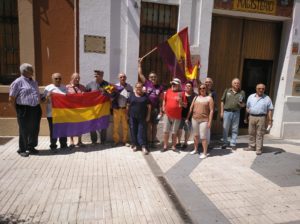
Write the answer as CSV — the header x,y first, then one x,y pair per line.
x,y
4,140
278,166
85,148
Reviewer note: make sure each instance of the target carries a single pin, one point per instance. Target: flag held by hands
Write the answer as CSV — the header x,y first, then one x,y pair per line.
x,y
77,114
175,53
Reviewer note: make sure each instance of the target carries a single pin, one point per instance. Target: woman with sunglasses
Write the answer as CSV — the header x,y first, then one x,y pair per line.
x,y
55,87
73,88
202,110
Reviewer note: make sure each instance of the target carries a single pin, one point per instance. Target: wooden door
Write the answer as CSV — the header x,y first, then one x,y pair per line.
x,y
235,41
224,56
158,23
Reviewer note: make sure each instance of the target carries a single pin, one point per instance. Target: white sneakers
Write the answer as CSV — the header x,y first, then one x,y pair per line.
x,y
193,152
203,156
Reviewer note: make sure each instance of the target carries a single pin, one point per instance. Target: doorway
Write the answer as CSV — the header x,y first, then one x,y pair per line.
x,y
246,49
255,71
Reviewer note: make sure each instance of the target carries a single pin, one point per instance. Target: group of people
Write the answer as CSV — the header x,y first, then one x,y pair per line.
x,y
137,111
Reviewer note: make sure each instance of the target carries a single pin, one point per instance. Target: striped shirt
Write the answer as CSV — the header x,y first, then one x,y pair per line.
x,y
26,91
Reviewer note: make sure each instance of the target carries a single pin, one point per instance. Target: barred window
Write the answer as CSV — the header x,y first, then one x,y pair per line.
x,y
9,41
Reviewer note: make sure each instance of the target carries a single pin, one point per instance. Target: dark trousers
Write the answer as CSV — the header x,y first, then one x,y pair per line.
x,y
102,134
138,131
29,119
62,140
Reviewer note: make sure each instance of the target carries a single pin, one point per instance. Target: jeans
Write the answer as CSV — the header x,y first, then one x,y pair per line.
x,y
29,126
138,131
231,119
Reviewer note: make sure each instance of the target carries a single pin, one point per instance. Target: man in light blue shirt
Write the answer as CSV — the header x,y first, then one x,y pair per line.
x,y
259,107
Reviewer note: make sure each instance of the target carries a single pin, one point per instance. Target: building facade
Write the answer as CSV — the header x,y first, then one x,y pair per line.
x,y
256,41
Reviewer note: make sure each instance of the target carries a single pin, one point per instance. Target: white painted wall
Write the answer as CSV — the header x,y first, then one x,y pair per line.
x,y
197,15
286,117
94,19
119,22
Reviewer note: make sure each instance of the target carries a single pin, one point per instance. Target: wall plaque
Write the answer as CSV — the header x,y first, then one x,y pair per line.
x,y
95,44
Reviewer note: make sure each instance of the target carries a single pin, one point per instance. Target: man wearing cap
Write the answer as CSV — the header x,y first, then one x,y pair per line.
x,y
259,107
119,110
155,93
24,95
98,84
174,100
232,101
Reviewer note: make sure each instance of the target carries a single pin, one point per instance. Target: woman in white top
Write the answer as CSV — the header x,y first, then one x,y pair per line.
x,y
202,110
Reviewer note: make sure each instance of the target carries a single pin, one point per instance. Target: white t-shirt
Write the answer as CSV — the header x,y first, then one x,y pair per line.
x,y
53,89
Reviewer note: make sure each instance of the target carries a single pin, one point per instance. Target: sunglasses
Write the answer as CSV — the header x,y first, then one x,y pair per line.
x,y
57,78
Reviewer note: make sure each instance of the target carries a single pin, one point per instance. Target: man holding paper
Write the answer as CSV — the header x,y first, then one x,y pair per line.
x,y
260,109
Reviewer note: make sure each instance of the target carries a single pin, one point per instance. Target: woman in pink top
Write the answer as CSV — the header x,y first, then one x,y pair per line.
x,y
202,110
73,88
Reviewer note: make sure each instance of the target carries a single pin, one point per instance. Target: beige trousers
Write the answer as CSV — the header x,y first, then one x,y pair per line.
x,y
257,126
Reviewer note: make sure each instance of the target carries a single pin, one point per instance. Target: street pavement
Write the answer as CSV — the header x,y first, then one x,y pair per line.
x,y
105,184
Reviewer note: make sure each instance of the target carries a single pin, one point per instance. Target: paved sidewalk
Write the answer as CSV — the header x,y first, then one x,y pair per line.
x,y
100,184
237,187
93,184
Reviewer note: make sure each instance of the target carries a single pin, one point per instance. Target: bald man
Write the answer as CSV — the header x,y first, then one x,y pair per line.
x,y
120,111
260,109
232,101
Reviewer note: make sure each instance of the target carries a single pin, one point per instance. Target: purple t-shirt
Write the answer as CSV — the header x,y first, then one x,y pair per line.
x,y
153,92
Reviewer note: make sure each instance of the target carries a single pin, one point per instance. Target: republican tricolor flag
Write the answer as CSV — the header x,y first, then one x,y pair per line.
x,y
77,114
175,53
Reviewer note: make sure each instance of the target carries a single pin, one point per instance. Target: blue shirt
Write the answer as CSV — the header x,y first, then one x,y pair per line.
x,y
26,91
259,105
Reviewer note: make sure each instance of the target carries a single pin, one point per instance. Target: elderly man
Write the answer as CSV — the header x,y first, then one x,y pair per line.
x,y
259,107
119,110
55,87
155,93
232,101
98,84
24,95
212,93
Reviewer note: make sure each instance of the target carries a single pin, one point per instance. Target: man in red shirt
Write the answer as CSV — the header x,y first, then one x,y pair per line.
x,y
174,100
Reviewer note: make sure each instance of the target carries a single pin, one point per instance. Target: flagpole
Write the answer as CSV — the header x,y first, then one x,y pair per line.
x,y
154,49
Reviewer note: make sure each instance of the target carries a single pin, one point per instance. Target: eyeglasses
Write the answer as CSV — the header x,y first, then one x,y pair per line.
x,y
57,78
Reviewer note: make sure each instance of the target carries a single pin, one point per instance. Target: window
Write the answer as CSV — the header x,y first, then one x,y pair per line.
x,y
9,41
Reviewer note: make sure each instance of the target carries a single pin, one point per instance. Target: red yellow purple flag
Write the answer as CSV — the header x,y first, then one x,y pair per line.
x,y
77,114
175,53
